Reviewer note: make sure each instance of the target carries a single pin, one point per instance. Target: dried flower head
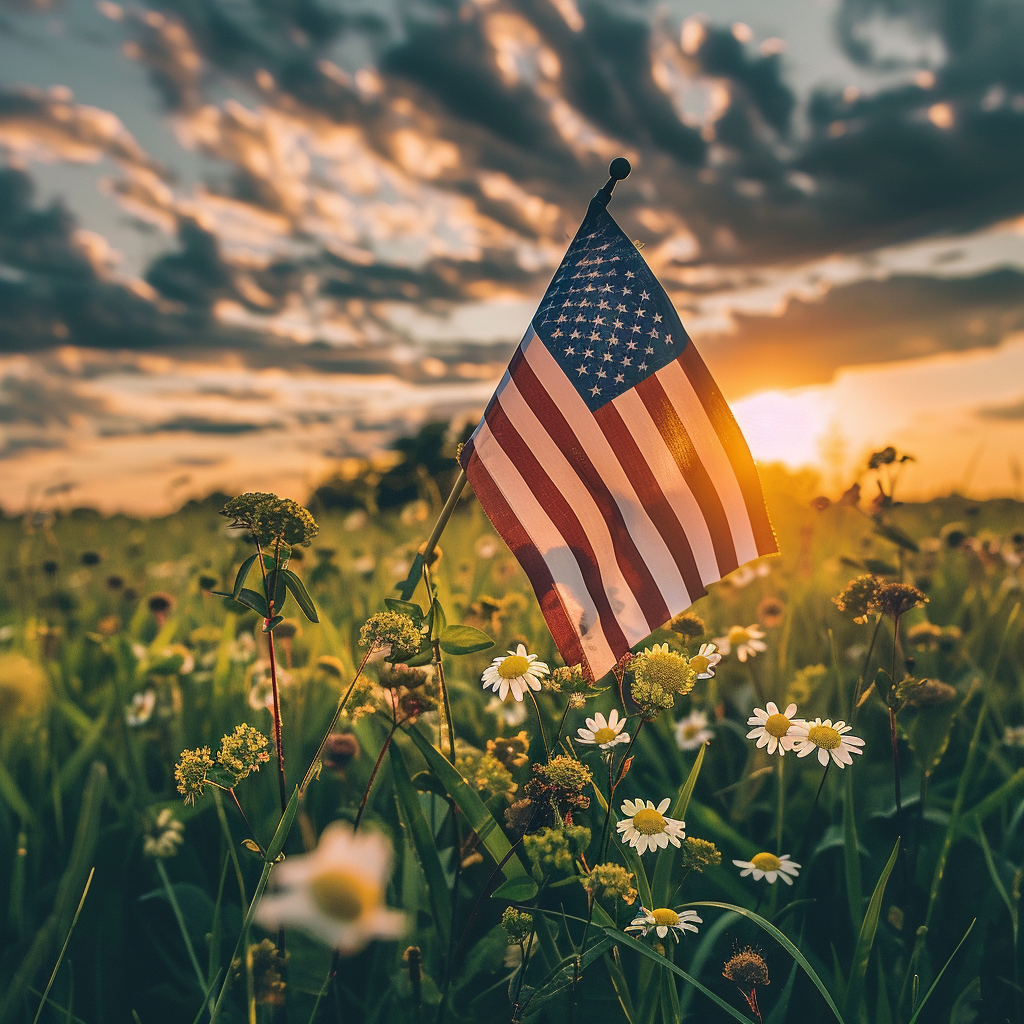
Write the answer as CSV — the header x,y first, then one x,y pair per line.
x,y
513,752
895,599
191,771
688,625
610,881
390,629
243,751
698,854
271,518
340,750
397,677
518,925
859,597
746,969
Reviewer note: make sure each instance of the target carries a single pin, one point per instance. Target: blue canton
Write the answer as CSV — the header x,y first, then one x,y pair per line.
x,y
605,318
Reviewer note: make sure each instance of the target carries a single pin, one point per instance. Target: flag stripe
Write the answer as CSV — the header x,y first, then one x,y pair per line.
x,y
568,444
652,496
677,440
562,517
713,456
511,531
641,511
725,425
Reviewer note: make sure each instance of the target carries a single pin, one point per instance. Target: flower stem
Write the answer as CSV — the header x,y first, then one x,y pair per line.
x,y
864,671
613,784
782,807
561,724
540,723
373,775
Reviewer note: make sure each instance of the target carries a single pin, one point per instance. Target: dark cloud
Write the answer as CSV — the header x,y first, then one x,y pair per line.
x,y
1013,411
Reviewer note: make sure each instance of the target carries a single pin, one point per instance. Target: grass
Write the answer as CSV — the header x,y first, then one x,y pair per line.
x,y
888,909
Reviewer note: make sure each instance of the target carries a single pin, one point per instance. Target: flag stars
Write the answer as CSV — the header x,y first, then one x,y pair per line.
x,y
649,350
629,273
575,334
618,323
644,296
619,378
631,345
595,390
589,352
607,357
657,318
642,366
570,351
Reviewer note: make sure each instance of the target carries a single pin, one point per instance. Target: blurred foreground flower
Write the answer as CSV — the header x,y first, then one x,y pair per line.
x,y
164,836
693,732
336,893
140,708
647,828
664,921
602,732
24,688
828,739
767,865
744,641
774,729
517,671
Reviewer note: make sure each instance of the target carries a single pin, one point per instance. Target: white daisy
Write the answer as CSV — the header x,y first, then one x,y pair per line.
x,y
664,921
705,660
774,729
336,893
828,739
746,641
605,733
513,715
767,865
140,709
647,828
692,731
516,671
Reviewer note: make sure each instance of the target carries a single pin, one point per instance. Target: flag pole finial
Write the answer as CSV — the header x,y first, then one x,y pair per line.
x,y
617,170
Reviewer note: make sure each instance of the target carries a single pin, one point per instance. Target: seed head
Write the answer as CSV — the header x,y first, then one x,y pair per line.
x,y
746,969
895,599
688,625
859,598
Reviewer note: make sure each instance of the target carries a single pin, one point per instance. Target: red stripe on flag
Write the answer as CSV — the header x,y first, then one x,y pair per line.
x,y
564,519
678,442
511,531
650,493
631,562
736,449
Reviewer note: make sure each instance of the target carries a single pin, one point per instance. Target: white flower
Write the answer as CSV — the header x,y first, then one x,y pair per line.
x,y
747,641
512,715
140,708
767,865
705,660
604,733
1014,736
692,731
516,671
647,828
827,739
336,893
774,729
486,546
664,921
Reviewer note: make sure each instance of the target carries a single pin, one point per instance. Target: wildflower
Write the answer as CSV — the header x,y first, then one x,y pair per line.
x,y
770,612
397,677
828,739
140,708
513,752
746,969
767,865
566,772
774,730
746,641
924,636
518,925
699,854
693,732
266,964
610,881
688,625
164,835
604,733
1014,736
176,659
486,546
660,667
484,771
809,678
512,715
705,660
516,671
650,698
23,686
551,796
271,519
664,921
555,849
391,630
896,599
859,598
647,828
336,893
243,751
568,679
191,771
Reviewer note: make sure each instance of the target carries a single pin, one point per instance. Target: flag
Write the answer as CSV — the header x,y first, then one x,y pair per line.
x,y
608,460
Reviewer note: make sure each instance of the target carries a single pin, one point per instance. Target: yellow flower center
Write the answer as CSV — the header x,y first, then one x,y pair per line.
x,y
605,735
514,666
648,822
766,862
664,915
665,668
777,726
824,736
689,731
738,635
699,663
342,895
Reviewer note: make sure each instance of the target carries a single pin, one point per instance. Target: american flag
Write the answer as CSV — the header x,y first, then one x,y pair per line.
x,y
608,460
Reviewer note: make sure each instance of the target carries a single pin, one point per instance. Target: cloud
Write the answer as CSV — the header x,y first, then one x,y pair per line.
x,y
1011,411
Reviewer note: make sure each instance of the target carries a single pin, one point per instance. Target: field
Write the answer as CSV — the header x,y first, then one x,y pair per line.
x,y
116,656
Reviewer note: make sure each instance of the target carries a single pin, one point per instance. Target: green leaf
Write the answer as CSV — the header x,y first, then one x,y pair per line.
x,y
438,620
664,858
243,572
565,975
408,588
301,595
478,817
10,792
517,890
896,535
938,977
269,624
283,827
414,611
851,856
464,640
257,602
785,943
866,939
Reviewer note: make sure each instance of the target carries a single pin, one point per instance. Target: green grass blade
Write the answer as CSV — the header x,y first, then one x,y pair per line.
x,y
477,816
180,918
64,948
990,863
423,839
938,977
663,861
851,857
785,943
10,792
866,939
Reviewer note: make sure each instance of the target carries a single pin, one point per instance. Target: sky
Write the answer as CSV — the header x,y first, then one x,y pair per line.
x,y
241,240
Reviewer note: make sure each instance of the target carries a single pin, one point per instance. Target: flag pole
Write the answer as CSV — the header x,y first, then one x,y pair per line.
x,y
617,170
